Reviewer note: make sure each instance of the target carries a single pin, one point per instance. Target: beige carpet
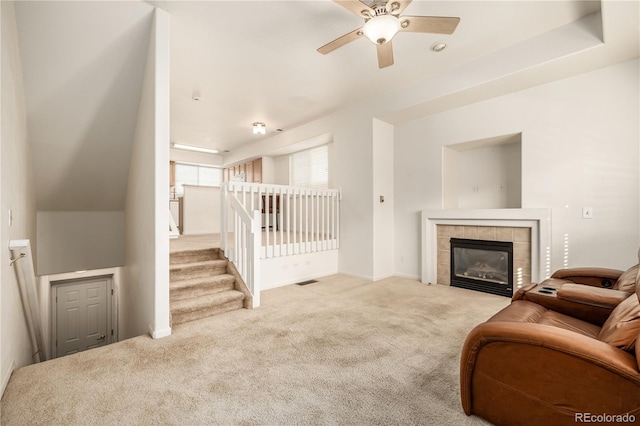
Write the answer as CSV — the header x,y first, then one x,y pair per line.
x,y
342,351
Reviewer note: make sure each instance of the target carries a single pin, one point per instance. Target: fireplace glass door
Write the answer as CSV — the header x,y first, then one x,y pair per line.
x,y
482,265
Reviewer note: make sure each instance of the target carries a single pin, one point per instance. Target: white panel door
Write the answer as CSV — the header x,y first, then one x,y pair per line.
x,y
81,316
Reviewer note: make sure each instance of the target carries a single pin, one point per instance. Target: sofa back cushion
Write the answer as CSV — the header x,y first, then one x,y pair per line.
x,y
627,281
623,325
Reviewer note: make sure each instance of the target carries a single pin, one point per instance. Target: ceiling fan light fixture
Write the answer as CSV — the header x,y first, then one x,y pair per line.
x,y
259,128
381,29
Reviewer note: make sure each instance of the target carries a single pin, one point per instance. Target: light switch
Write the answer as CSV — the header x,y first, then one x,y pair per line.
x,y
382,198
587,212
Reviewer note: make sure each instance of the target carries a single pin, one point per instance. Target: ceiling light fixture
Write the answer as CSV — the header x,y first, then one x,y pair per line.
x,y
381,29
259,128
194,148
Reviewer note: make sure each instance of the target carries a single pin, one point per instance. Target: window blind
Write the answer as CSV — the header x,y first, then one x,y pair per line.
x,y
310,168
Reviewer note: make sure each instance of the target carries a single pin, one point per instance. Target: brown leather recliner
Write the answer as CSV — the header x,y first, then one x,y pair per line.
x,y
549,359
597,277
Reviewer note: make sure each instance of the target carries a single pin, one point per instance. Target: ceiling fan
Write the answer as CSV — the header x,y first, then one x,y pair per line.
x,y
382,21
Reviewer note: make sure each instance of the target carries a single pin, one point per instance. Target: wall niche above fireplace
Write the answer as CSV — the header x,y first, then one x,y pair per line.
x,y
483,174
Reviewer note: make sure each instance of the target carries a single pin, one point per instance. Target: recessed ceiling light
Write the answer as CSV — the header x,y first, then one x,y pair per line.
x,y
259,128
194,148
438,46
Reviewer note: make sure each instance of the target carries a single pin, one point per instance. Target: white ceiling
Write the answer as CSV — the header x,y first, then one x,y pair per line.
x,y
257,61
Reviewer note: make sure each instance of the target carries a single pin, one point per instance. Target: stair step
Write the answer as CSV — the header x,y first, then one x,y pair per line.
x,y
197,287
186,271
201,307
189,256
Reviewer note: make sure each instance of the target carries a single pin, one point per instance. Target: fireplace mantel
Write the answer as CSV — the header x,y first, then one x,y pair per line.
x,y
538,220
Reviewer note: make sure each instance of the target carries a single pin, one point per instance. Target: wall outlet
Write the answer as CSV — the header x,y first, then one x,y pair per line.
x,y
587,212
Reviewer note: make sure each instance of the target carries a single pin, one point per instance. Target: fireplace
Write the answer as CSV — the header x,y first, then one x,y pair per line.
x,y
482,265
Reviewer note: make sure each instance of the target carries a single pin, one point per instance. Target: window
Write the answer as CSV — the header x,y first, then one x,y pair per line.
x,y
191,174
310,168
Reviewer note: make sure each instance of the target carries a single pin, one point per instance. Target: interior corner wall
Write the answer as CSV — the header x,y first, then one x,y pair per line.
x,y
579,149
383,266
145,291
18,195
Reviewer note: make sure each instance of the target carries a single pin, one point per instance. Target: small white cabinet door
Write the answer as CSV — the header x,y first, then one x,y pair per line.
x,y
81,316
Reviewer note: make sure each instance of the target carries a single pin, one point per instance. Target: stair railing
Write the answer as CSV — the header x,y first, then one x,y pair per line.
x,y
244,249
294,220
22,261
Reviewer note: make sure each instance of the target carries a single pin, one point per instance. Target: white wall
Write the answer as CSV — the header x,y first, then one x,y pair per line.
x,y
285,270
579,148
281,170
485,178
354,175
72,241
145,291
268,170
18,195
201,210
383,246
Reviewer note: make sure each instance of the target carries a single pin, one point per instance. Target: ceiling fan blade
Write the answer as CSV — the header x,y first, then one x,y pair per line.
x,y
385,54
357,7
429,24
395,7
340,41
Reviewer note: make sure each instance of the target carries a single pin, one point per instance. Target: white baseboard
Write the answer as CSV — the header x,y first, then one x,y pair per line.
x,y
383,277
298,280
350,274
6,376
159,334
409,276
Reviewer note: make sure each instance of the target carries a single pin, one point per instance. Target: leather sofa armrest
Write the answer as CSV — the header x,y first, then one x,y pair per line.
x,y
596,277
593,296
519,295
591,313
554,340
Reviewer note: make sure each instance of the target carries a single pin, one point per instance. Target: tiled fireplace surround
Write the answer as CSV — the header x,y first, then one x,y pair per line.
x,y
520,237
528,229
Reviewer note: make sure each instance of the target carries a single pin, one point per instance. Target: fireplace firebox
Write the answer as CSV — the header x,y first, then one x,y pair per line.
x,y
481,265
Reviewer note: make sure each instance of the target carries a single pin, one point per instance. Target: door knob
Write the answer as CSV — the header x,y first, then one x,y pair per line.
x,y
102,337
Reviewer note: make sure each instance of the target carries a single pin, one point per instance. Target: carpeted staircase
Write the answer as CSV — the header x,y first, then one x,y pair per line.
x,y
202,285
